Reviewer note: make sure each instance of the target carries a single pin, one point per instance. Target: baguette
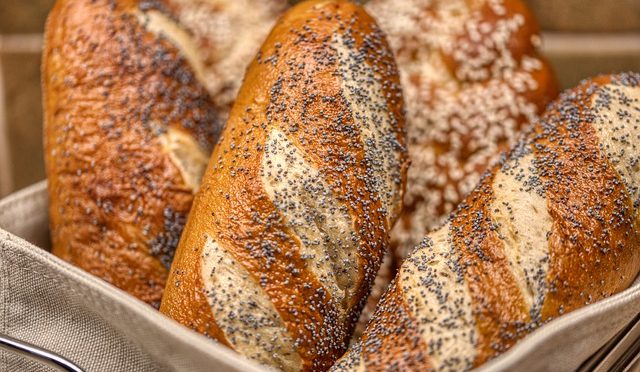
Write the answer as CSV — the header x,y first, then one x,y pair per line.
x,y
129,127
553,227
292,219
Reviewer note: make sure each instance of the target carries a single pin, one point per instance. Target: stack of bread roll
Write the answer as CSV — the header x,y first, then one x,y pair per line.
x,y
278,242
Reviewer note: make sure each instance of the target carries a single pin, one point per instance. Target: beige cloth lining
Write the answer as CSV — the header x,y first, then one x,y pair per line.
x,y
49,303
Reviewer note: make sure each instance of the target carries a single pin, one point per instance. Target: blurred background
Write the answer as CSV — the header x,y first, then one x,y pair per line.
x,y
580,37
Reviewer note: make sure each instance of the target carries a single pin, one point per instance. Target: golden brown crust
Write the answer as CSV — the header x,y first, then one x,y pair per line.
x,y
593,254
399,336
300,89
112,91
194,310
496,300
385,275
570,235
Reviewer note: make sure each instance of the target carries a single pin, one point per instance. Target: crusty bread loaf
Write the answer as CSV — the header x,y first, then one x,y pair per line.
x,y
553,227
290,224
472,79
128,131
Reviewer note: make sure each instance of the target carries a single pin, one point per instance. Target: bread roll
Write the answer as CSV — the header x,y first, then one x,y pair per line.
x,y
128,131
472,79
553,227
290,224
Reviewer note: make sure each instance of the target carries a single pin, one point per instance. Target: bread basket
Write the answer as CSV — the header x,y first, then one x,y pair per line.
x,y
54,306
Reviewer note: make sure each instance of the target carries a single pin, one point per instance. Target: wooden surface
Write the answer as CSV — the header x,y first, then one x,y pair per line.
x,y
587,15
